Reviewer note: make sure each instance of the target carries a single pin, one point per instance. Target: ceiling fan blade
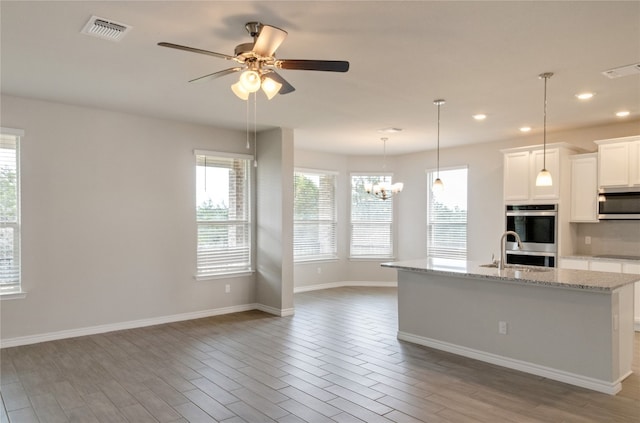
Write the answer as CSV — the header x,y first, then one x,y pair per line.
x,y
269,40
314,65
286,87
197,50
216,74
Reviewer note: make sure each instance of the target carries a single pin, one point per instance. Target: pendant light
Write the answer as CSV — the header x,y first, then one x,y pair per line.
x,y
544,177
437,184
383,189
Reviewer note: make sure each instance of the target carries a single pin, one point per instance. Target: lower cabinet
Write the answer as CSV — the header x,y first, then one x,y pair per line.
x,y
608,266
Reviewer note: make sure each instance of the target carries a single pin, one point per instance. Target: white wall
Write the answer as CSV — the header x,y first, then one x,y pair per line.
x,y
274,263
108,224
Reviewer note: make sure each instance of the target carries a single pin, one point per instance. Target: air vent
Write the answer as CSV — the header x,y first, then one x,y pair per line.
x,y
623,71
105,29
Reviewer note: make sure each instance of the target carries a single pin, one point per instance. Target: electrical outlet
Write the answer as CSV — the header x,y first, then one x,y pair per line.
x,y
502,328
227,288
587,240
319,270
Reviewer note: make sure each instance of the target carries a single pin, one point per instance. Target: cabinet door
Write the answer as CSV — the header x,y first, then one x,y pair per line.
x,y
516,176
605,266
634,163
552,164
574,264
634,269
614,164
584,189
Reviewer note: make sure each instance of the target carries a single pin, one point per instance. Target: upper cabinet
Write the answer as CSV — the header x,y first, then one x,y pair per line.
x,y
522,165
619,162
584,188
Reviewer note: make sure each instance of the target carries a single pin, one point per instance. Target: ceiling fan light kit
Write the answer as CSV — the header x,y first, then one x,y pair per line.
x,y
259,63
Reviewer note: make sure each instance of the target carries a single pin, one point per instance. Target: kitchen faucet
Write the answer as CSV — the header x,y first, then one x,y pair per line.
x,y
503,242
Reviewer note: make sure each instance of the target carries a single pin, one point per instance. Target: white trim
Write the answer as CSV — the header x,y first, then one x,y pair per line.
x,y
387,284
93,330
603,386
230,275
12,131
222,154
13,296
275,311
316,171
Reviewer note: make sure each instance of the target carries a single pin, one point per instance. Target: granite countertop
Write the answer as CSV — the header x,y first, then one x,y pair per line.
x,y
550,277
607,257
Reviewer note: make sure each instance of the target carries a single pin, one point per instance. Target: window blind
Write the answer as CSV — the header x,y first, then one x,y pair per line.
x,y
314,215
9,214
222,214
371,220
447,215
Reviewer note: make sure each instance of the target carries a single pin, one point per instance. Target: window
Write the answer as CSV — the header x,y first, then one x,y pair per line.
x,y
447,215
371,220
314,215
10,211
223,214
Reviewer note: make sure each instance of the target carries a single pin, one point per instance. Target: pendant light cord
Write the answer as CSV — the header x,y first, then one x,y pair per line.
x,y
438,146
544,127
255,131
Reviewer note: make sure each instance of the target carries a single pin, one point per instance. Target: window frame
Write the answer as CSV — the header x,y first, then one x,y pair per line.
x,y
390,253
430,174
247,267
15,290
333,255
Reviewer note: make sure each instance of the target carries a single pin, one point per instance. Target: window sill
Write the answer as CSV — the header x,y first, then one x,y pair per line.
x,y
385,259
13,296
224,275
316,260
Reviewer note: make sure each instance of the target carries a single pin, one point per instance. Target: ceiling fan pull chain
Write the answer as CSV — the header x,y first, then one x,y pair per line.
x,y
255,132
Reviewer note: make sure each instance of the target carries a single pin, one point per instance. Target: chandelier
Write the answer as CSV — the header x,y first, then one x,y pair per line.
x,y
383,189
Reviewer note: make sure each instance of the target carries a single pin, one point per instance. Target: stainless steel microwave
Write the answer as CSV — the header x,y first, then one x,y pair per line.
x,y
619,204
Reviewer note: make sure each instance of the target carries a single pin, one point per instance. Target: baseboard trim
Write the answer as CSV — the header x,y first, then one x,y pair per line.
x,y
275,311
603,386
343,284
94,330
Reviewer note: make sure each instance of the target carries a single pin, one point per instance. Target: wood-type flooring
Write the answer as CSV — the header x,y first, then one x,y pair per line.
x,y
336,360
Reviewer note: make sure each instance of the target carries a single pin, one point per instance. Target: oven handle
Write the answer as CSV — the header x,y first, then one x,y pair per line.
x,y
532,213
530,253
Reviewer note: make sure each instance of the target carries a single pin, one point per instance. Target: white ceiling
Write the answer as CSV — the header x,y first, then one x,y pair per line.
x,y
481,57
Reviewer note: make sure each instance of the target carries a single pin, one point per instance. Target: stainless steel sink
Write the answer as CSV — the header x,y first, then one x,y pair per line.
x,y
519,268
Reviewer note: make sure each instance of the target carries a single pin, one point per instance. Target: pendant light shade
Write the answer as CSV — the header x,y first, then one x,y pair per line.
x,y
544,178
438,185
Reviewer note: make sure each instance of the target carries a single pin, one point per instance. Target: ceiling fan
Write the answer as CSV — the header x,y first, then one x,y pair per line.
x,y
258,63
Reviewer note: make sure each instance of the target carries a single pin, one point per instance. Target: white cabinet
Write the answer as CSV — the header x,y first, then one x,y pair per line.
x,y
516,176
608,266
521,167
619,162
576,264
605,266
552,164
584,188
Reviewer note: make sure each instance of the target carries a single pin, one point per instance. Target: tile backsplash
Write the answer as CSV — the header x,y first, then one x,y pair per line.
x,y
620,237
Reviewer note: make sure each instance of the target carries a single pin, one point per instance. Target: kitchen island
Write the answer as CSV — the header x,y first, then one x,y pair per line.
x,y
573,326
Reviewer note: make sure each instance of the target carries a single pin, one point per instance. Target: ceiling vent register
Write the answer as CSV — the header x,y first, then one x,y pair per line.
x,y
623,71
105,29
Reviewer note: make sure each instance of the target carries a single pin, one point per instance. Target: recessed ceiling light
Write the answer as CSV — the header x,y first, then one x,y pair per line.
x,y
480,116
585,96
389,130
623,113
525,129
